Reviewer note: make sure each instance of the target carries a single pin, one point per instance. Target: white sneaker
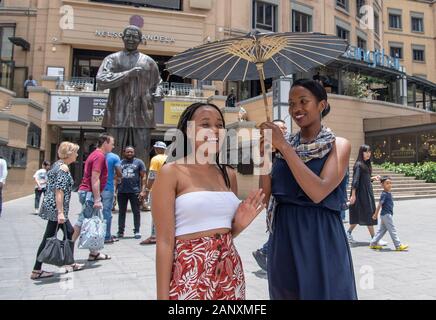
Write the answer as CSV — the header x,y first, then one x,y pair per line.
x,y
350,237
382,243
36,211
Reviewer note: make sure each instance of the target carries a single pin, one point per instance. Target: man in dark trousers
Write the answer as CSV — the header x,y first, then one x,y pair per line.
x,y
129,190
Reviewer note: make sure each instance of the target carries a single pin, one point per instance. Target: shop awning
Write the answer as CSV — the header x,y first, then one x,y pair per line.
x,y
18,41
382,73
364,68
397,124
423,84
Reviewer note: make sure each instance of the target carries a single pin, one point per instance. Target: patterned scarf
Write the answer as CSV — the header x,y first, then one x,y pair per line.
x,y
315,149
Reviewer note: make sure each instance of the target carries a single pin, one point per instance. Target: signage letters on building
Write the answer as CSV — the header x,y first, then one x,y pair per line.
x,y
373,58
145,37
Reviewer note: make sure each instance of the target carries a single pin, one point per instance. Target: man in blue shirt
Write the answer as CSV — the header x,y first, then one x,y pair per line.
x,y
107,196
386,205
29,83
133,173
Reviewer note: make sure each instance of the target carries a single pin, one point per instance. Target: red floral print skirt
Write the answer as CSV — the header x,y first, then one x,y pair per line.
x,y
207,268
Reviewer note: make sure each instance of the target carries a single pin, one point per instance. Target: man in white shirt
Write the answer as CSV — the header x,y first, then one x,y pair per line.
x,y
3,175
40,177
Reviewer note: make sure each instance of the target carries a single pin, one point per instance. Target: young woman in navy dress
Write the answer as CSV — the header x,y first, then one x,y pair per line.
x,y
309,255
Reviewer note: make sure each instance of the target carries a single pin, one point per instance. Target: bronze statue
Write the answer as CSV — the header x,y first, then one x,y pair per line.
x,y
132,78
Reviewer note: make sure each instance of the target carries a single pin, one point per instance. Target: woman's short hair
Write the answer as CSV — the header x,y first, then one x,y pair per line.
x,y
66,149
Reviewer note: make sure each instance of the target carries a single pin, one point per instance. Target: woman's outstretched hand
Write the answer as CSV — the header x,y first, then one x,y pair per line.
x,y
249,209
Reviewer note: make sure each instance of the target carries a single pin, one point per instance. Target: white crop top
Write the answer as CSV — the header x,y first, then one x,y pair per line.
x,y
205,210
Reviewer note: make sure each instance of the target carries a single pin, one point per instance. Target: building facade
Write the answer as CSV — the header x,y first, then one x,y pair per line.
x,y
62,43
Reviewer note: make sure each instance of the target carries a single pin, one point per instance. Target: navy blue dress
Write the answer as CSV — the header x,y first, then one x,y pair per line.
x,y
309,257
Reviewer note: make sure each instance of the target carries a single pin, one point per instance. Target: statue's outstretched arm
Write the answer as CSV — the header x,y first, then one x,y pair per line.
x,y
107,79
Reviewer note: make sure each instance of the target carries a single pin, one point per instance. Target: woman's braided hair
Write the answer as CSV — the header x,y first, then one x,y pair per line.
x,y
183,127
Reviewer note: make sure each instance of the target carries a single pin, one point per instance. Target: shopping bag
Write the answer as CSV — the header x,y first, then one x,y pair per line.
x,y
93,231
58,252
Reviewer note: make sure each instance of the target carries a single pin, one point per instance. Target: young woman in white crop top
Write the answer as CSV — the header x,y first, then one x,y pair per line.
x,y
197,214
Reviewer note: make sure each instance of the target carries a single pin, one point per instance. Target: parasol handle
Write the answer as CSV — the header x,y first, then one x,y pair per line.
x,y
259,67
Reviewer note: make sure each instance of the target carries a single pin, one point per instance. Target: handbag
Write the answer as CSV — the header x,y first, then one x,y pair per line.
x,y
58,252
93,231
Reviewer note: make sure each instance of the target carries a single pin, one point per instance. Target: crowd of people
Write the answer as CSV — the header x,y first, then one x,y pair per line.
x,y
105,175
196,213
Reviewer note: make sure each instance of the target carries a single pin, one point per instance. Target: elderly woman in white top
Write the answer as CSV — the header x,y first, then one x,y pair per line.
x,y
56,203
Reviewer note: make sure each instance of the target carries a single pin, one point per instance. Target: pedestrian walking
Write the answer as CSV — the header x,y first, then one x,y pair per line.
x,y
261,253
197,215
231,99
129,190
156,164
309,257
30,82
386,205
3,176
56,204
94,181
107,196
345,204
40,177
362,202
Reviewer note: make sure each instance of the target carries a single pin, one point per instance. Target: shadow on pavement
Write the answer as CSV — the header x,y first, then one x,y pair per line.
x,y
261,274
55,279
359,244
89,264
389,250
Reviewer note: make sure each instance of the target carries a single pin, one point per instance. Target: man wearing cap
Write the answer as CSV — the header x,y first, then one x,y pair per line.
x,y
156,164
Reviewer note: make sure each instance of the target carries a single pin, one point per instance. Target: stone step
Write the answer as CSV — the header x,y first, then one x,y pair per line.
x,y
408,188
405,188
410,197
411,182
387,173
395,177
408,191
427,192
423,192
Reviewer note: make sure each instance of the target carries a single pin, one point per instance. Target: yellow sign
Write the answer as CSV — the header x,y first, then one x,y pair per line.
x,y
173,110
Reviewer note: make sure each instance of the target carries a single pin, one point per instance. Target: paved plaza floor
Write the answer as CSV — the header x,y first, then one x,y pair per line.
x,y
130,274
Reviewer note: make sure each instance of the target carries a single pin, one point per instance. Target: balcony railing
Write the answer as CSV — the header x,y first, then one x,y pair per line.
x,y
165,88
77,84
180,89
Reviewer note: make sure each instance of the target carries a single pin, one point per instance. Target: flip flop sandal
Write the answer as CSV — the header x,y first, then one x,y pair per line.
x,y
98,256
41,275
75,267
148,241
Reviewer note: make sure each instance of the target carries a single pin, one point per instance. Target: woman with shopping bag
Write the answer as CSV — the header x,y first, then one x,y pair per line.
x,y
55,209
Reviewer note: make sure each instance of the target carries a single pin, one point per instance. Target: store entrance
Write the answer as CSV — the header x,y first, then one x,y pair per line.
x,y
87,140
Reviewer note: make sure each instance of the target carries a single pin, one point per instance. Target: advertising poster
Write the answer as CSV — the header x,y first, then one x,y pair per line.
x,y
64,108
92,109
173,111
